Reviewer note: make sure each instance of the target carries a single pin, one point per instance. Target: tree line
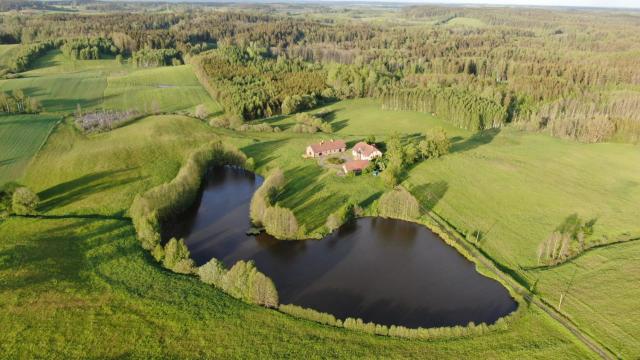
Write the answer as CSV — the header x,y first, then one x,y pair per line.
x,y
150,209
16,102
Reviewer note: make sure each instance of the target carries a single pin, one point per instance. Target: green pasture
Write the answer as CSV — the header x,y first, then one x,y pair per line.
x,y
77,282
81,260
7,53
21,137
61,84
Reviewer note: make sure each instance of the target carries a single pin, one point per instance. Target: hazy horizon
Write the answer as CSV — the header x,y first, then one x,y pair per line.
x,y
625,4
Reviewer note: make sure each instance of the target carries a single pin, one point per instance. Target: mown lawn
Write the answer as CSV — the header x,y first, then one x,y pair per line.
x,y
76,283
21,136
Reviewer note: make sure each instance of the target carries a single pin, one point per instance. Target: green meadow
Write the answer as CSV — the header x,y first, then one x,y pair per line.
x,y
21,137
81,260
62,84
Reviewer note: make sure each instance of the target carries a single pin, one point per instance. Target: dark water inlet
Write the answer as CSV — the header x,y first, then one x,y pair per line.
x,y
389,272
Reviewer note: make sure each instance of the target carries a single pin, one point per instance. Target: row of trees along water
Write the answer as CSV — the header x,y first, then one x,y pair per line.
x,y
150,209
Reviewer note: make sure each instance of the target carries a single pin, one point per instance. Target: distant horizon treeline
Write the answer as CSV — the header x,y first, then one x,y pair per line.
x,y
523,61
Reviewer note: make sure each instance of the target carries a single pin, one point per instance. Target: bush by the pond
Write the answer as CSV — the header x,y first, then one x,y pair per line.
x,y
148,210
242,281
280,222
264,196
177,257
396,331
340,216
151,208
400,204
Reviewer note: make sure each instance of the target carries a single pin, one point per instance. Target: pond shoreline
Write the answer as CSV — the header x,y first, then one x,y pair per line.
x,y
228,251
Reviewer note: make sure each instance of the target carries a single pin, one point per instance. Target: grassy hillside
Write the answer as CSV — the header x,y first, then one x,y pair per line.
x,y
6,54
72,270
20,138
61,84
82,262
600,294
100,174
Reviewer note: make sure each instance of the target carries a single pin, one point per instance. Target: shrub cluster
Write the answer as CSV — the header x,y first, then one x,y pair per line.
x,y
242,281
262,127
17,199
393,330
148,57
308,123
566,241
17,102
277,221
400,204
104,120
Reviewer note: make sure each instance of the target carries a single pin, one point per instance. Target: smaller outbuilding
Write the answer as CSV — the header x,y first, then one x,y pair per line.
x,y
355,166
364,151
326,148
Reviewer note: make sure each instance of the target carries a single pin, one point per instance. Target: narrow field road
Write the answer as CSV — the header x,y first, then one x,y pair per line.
x,y
586,339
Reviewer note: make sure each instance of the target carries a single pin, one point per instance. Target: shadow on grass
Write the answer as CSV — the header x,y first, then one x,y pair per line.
x,y
368,201
9,161
57,256
79,188
474,141
262,152
430,194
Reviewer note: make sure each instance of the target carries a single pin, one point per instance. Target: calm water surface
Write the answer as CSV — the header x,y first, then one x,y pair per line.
x,y
386,271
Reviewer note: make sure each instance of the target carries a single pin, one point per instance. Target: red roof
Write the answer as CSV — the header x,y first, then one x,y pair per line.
x,y
328,145
356,165
364,149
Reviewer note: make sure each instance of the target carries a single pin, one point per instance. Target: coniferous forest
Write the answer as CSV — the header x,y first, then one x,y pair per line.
x,y
571,73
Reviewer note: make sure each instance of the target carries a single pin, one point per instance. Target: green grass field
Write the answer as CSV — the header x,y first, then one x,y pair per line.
x,y
21,137
6,54
81,262
62,84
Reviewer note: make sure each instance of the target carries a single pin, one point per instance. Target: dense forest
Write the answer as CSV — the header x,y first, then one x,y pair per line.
x,y
574,74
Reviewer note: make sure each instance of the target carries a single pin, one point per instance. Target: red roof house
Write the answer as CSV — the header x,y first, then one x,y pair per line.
x,y
364,151
326,148
355,166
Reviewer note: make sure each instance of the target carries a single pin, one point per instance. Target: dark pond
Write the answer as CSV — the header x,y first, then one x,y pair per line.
x,y
385,271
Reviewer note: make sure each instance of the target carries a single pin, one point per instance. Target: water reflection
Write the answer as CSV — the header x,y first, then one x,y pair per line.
x,y
387,271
